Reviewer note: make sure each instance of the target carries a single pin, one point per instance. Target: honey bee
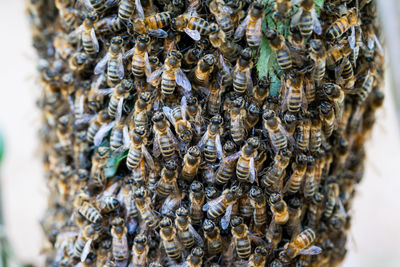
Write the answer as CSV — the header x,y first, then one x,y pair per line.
x,y
290,122
171,74
139,114
196,197
216,35
172,202
167,183
140,249
214,99
318,55
294,97
63,135
295,209
186,233
119,138
153,24
126,9
165,142
371,40
245,167
241,76
296,179
309,182
240,238
259,204
210,143
261,91
106,204
274,234
296,39
315,133
300,245
195,258
327,116
366,86
222,14
69,17
282,51
276,132
213,237
84,241
78,62
120,250
88,35
332,199
237,120
258,258
282,9
113,61
202,72
177,116
226,169
169,239
307,19
103,252
191,25
140,58
223,205
119,94
97,170
274,174
251,25
62,47
342,25
193,112
191,163
335,94
278,208
143,204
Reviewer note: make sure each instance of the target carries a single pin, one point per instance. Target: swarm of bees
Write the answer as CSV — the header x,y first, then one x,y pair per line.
x,y
204,133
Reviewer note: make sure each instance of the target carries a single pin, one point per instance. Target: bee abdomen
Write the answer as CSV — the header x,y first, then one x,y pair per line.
x,y
306,25
243,248
187,239
166,146
239,82
125,10
284,59
134,158
171,248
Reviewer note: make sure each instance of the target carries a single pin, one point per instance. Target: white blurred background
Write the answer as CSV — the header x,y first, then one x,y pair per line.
x,y
375,233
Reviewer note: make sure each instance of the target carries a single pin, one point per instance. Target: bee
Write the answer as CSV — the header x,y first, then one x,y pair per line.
x,y
120,250
210,143
139,115
143,204
172,202
222,14
327,116
336,55
84,241
252,25
125,10
216,35
138,151
165,142
369,37
315,133
97,177
167,183
245,167
99,6
295,181
78,62
336,95
103,252
300,245
195,258
177,116
294,96
191,163
106,204
63,135
318,56
309,182
196,197
169,239
119,94
274,234
240,238
227,167
261,91
140,58
258,258
366,86
88,35
191,25
332,199
290,122
237,120
193,112
259,204
307,19
69,17
191,57
214,99
186,233
296,39
213,237
223,205
140,249
204,68
295,209
275,173
119,138
282,9
171,74
278,208
276,132
64,49
153,24
241,76
342,25
282,51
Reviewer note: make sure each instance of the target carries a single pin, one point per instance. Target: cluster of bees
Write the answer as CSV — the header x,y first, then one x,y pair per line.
x,y
165,144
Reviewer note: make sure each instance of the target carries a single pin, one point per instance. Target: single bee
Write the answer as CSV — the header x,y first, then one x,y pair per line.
x,y
309,182
300,245
106,204
327,116
276,132
370,41
282,9
226,169
261,91
140,249
196,197
69,17
143,204
78,62
294,97
342,25
295,181
119,138
164,140
113,61
177,117
186,233
307,19
191,25
241,76
167,183
366,86
223,205
126,9
240,238
152,25
259,204
278,208
282,51
171,74
88,35
169,239
222,14
103,252
318,56
213,237
84,241
216,35
332,199
210,143
290,122
296,39
214,99
295,209
195,258
237,120
118,95
258,258
315,133
64,138
99,160
202,72
139,115
275,173
172,202
140,58
245,208
120,250
251,25
191,163
336,95
191,57
245,166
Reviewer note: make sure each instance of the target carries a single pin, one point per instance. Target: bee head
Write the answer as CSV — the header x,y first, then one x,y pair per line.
x,y
208,225
236,221
165,222
270,34
196,186
182,212
194,151
198,252
229,147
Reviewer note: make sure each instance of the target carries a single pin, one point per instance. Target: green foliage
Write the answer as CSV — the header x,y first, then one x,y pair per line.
x,y
113,163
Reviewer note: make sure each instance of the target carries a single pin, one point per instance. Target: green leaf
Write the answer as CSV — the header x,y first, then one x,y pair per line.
x,y
113,163
318,5
275,84
263,60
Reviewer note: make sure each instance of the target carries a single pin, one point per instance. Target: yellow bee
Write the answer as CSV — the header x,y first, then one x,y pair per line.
x,y
278,208
217,35
241,76
140,249
119,232
140,58
202,72
237,122
307,19
318,55
88,35
177,116
252,25
282,51
259,204
143,204
258,258
245,166
84,241
275,173
167,183
226,169
164,140
282,9
196,197
342,25
152,25
169,239
294,97
191,25
195,258
222,13
213,237
296,179
191,163
277,133
210,143
187,234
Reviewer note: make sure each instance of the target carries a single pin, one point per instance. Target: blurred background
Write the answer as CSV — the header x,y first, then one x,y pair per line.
x,y
374,237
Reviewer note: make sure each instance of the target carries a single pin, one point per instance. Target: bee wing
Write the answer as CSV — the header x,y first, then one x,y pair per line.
x,y
203,140
156,74
139,9
296,17
218,146
94,40
304,103
126,137
184,106
252,170
173,138
101,66
81,104
147,156
119,108
129,53
111,3
209,174
182,80
159,33
212,203
225,220
168,205
378,45
352,38
86,250
313,250
232,157
75,33
196,236
105,91
288,136
239,33
156,145
168,113
147,66
316,23
102,132
249,82
228,254
121,72
85,119
194,34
